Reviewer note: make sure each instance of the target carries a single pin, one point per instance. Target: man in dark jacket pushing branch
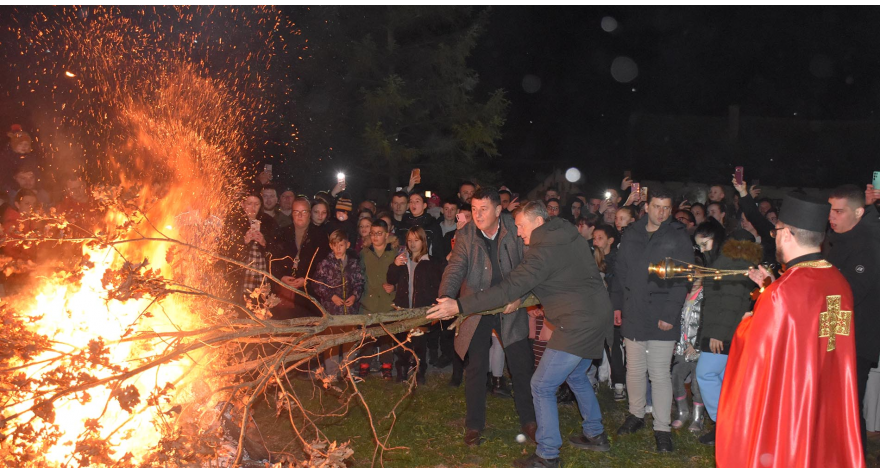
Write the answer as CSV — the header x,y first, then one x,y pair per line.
x,y
561,271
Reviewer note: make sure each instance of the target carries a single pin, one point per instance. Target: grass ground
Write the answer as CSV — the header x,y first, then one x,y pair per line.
x,y
430,426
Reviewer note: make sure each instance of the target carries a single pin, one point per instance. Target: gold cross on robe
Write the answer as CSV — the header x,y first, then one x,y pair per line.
x,y
834,322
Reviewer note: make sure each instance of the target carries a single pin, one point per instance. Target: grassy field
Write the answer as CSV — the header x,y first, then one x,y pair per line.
x,y
430,428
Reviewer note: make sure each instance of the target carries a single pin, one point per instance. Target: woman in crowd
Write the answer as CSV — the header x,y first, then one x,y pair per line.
x,y
724,303
253,239
320,213
363,239
698,209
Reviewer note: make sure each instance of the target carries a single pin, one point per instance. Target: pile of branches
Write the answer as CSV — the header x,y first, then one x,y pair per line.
x,y
246,355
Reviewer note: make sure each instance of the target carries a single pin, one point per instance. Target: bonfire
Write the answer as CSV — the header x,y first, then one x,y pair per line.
x,y
127,348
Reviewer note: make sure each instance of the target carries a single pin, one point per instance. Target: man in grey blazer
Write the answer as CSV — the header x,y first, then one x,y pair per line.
x,y
560,270
486,251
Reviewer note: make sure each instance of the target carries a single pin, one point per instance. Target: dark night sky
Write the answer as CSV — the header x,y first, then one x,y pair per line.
x,y
798,64
817,63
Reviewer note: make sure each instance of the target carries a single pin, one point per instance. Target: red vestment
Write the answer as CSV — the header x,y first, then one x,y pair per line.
x,y
787,400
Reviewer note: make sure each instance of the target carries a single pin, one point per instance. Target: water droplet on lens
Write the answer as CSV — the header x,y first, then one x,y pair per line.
x,y
624,69
609,24
531,83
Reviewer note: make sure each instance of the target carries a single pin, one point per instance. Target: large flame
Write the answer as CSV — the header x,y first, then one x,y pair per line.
x,y
155,119
76,315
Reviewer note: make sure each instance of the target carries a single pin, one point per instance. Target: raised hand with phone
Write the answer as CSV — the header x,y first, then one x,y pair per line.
x,y
415,177
340,184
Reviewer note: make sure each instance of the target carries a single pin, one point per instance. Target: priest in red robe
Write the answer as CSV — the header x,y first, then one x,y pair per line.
x,y
789,397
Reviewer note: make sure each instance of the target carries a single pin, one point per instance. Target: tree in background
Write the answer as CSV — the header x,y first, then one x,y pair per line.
x,y
392,91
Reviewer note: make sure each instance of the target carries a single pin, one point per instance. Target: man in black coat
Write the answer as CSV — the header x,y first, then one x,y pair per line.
x,y
560,270
761,224
853,246
649,312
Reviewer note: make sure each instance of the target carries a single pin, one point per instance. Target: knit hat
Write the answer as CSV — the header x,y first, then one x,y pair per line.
x,y
343,204
804,212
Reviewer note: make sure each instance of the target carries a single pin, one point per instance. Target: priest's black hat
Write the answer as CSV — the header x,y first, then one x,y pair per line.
x,y
804,212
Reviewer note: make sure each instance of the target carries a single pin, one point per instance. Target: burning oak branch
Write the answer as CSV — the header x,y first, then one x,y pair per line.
x,y
113,361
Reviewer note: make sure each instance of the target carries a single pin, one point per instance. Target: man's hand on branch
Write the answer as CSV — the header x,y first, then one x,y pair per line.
x,y
445,308
512,306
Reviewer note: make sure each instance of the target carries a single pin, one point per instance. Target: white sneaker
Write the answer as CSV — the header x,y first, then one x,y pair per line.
x,y
619,392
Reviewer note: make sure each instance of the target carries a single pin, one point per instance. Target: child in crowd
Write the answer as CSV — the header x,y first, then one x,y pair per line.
x,y
417,277
685,360
339,285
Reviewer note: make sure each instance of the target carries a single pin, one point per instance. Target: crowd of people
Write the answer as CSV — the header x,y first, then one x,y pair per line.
x,y
684,350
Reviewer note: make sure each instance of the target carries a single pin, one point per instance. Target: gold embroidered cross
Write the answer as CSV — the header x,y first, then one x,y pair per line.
x,y
834,322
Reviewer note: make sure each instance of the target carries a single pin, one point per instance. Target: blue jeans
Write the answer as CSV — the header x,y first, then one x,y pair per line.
x,y
557,367
710,374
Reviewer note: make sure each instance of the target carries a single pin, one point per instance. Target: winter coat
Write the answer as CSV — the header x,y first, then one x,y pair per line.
x,y
339,281
610,259
432,231
857,255
315,247
560,270
762,226
690,326
726,300
646,299
470,271
375,271
426,282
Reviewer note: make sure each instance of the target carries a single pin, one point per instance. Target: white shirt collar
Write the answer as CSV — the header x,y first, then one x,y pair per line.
x,y
494,234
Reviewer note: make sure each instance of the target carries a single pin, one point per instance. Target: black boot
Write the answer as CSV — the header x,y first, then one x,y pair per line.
x,y
708,439
402,365
433,356
500,387
565,395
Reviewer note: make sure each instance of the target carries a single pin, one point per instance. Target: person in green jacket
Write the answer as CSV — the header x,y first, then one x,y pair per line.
x,y
378,294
